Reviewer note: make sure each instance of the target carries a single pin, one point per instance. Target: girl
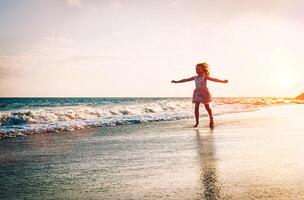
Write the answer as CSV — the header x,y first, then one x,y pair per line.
x,y
201,93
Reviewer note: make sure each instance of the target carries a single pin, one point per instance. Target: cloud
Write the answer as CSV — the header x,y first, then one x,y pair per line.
x,y
58,40
116,4
174,3
11,66
75,3
35,58
88,5
3,71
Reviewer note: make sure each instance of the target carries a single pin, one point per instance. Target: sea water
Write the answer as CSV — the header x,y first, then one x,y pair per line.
x,y
21,116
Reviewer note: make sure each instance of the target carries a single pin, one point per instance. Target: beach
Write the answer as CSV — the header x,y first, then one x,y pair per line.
x,y
151,100
249,155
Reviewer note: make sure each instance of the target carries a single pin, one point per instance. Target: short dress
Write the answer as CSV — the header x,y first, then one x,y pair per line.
x,y
201,93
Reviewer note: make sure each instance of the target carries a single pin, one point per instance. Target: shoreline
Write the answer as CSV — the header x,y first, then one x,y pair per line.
x,y
88,127
36,116
250,155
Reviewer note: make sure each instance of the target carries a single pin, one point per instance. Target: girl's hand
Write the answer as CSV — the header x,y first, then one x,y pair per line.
x,y
173,81
225,81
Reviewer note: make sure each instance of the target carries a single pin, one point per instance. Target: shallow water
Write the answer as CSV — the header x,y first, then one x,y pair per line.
x,y
255,155
121,162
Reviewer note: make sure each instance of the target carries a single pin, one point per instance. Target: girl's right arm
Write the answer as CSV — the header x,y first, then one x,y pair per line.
x,y
184,80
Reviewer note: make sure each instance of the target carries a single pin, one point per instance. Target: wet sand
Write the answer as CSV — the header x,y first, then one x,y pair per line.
x,y
254,155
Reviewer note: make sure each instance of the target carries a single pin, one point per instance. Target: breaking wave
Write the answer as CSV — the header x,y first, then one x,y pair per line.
x,y
68,118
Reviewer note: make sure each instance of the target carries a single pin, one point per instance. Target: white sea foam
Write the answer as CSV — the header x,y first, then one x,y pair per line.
x,y
58,119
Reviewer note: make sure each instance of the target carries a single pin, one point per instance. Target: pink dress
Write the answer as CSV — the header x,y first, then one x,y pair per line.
x,y
201,93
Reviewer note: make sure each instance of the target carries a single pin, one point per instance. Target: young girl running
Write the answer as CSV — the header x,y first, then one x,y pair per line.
x,y
201,93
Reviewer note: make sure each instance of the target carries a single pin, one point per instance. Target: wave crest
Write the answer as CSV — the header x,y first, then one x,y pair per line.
x,y
58,119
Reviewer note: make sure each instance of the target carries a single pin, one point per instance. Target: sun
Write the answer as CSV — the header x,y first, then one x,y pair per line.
x,y
282,73
285,82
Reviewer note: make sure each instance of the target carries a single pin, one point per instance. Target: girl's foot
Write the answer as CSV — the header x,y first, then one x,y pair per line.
x,y
195,125
211,125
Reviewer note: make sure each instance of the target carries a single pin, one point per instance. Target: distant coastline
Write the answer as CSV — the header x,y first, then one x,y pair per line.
x,y
300,97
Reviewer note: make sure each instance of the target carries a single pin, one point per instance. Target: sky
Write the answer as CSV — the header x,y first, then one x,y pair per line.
x,y
134,48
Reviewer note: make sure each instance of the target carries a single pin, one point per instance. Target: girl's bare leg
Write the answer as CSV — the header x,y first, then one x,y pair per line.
x,y
211,125
196,113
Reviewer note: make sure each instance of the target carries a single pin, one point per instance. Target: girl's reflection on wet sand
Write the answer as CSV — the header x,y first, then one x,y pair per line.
x,y
207,163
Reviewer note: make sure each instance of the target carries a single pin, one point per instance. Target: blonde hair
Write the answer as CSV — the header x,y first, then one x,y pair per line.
x,y
205,67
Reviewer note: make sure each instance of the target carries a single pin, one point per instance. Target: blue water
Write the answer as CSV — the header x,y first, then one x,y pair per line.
x,y
32,103
20,116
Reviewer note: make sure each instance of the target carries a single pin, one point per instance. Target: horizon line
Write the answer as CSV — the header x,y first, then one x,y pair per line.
x,y
8,97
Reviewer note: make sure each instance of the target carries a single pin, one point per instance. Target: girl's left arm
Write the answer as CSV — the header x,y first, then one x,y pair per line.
x,y
217,80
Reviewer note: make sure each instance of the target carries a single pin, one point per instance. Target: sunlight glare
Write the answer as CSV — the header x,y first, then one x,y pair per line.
x,y
284,81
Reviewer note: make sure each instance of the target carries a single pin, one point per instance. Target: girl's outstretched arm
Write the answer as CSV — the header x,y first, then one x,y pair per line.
x,y
184,80
217,80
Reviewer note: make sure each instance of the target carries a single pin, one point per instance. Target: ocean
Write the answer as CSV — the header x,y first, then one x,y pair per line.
x,y
24,116
146,148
